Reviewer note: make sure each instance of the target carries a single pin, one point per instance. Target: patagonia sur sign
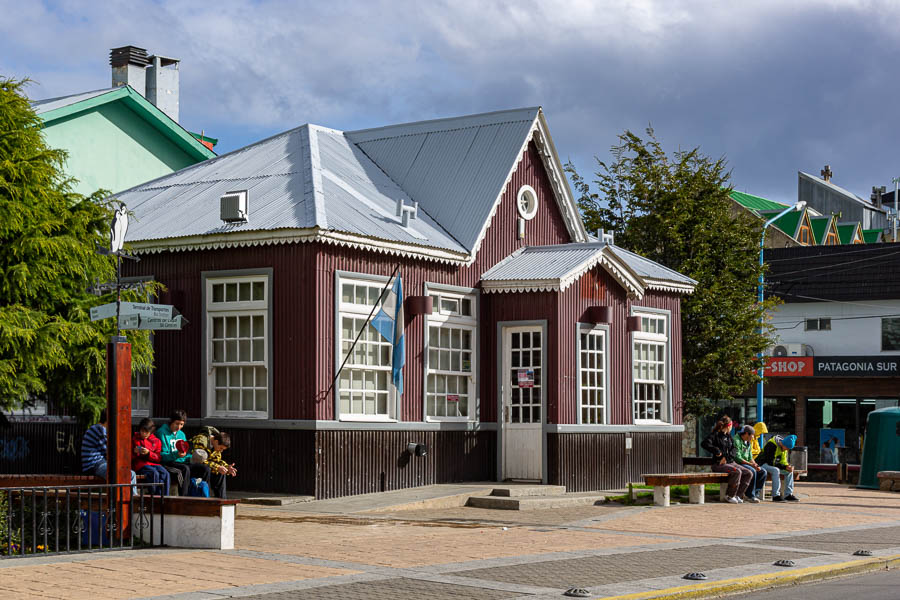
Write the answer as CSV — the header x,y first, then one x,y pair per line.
x,y
833,366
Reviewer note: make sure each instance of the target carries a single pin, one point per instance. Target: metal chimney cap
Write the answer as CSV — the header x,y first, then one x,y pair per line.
x,y
128,55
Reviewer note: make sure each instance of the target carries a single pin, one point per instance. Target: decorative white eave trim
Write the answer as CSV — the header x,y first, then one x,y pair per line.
x,y
669,286
619,271
241,239
539,132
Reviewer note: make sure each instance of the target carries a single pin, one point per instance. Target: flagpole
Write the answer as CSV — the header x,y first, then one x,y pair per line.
x,y
361,330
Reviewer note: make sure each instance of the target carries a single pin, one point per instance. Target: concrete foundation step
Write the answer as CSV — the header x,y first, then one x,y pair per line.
x,y
534,502
526,491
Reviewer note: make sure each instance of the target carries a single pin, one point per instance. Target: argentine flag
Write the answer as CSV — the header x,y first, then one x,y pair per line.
x,y
389,323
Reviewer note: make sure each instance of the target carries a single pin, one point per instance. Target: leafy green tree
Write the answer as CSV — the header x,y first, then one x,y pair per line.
x,y
49,348
676,210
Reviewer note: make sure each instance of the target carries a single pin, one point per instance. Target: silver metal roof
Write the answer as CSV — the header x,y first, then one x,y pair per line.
x,y
648,269
48,104
556,267
455,168
308,177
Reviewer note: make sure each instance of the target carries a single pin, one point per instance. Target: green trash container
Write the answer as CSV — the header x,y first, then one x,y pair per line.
x,y
881,451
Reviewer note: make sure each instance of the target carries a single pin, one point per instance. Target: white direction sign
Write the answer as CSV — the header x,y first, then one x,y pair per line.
x,y
142,322
154,311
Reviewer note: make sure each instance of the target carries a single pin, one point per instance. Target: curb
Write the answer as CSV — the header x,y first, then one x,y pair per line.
x,y
767,580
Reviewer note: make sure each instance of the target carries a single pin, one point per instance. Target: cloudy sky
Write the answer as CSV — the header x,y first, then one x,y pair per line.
x,y
774,86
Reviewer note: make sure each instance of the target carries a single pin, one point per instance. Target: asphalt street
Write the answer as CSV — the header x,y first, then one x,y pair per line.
x,y
883,585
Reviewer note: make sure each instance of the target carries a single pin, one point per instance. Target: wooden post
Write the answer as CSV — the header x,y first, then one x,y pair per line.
x,y
118,395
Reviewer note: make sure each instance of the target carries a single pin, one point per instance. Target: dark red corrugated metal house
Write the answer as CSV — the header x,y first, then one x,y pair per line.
x,y
532,350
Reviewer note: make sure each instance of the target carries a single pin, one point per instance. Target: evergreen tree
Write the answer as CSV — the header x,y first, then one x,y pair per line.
x,y
49,348
677,211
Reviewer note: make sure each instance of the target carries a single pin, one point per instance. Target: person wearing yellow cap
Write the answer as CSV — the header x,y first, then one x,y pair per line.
x,y
758,429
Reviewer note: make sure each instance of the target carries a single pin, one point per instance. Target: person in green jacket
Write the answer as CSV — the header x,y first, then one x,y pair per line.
x,y
177,461
743,446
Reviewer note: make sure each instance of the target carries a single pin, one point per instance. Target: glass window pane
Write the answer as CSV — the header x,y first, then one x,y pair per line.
x,y
259,351
218,292
361,295
247,402
466,307
259,326
221,399
259,291
244,291
218,328
218,351
261,380
347,296
234,399
231,351
231,327
221,378
230,292
261,403
244,327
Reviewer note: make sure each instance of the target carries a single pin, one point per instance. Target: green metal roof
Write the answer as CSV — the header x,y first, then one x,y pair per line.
x,y
788,223
756,203
871,236
819,228
846,232
144,108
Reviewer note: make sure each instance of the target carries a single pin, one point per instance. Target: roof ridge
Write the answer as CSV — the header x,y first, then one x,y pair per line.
x,y
532,110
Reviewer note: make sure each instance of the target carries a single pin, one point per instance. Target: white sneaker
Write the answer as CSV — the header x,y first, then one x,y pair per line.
x,y
738,498
732,500
753,500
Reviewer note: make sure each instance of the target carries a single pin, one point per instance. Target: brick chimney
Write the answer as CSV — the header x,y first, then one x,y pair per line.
x,y
129,64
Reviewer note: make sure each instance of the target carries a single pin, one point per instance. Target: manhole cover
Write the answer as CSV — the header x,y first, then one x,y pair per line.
x,y
863,553
577,592
694,576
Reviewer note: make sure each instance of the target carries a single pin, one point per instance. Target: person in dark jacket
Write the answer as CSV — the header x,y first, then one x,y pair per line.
x,y
720,444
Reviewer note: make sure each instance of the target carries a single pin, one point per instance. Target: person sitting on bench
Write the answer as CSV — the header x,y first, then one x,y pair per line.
x,y
720,444
208,446
146,456
94,450
744,458
175,456
774,459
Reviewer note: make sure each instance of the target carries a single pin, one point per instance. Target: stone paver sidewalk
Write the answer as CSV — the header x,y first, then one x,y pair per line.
x,y
456,552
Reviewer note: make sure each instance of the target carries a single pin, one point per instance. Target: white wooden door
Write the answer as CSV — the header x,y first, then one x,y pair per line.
x,y
523,402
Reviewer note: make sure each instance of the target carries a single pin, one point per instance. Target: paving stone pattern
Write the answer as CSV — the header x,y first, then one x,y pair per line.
x,y
619,568
391,589
843,541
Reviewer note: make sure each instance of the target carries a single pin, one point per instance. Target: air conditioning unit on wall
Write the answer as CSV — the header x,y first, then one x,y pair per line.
x,y
792,349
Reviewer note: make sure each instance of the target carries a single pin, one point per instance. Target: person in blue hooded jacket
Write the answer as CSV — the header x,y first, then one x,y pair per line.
x,y
774,459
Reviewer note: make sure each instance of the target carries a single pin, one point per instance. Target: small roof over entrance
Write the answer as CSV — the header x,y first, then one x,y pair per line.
x,y
555,268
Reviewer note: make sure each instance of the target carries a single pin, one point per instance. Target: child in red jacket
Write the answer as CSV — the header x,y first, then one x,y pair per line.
x,y
145,458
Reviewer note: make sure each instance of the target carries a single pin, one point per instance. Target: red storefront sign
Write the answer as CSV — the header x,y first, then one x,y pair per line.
x,y
789,366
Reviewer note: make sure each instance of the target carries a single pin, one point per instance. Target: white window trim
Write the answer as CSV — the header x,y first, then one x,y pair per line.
x,y
587,328
666,404
232,309
468,322
527,215
394,399
143,413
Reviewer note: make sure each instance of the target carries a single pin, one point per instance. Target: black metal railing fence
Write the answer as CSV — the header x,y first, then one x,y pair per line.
x,y
60,519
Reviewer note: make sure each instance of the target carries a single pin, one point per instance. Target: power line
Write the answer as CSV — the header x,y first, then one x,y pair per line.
x,y
880,247
842,264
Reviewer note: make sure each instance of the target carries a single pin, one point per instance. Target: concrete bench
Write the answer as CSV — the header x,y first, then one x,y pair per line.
x,y
888,479
196,523
661,483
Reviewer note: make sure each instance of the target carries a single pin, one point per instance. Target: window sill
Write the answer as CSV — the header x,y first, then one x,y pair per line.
x,y
236,415
367,418
449,420
651,422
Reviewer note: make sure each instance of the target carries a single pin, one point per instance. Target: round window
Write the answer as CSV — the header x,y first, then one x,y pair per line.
x,y
527,202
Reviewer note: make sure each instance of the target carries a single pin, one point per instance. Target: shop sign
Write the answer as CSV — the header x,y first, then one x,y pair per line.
x,y
789,366
452,398
857,366
526,378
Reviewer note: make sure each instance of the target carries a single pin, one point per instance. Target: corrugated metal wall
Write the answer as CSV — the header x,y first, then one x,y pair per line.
x,y
178,378
279,460
361,462
598,461
40,447
500,241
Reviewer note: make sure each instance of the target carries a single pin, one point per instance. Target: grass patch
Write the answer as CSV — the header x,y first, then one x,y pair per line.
x,y
677,492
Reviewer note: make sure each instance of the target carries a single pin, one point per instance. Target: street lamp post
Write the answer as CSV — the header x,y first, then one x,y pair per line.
x,y
762,241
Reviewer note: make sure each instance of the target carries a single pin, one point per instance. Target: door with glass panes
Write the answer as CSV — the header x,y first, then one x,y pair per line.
x,y
522,417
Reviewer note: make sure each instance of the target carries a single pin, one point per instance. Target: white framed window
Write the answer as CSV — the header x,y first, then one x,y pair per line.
x,y
593,383
364,387
451,343
141,393
527,202
237,335
818,324
650,368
